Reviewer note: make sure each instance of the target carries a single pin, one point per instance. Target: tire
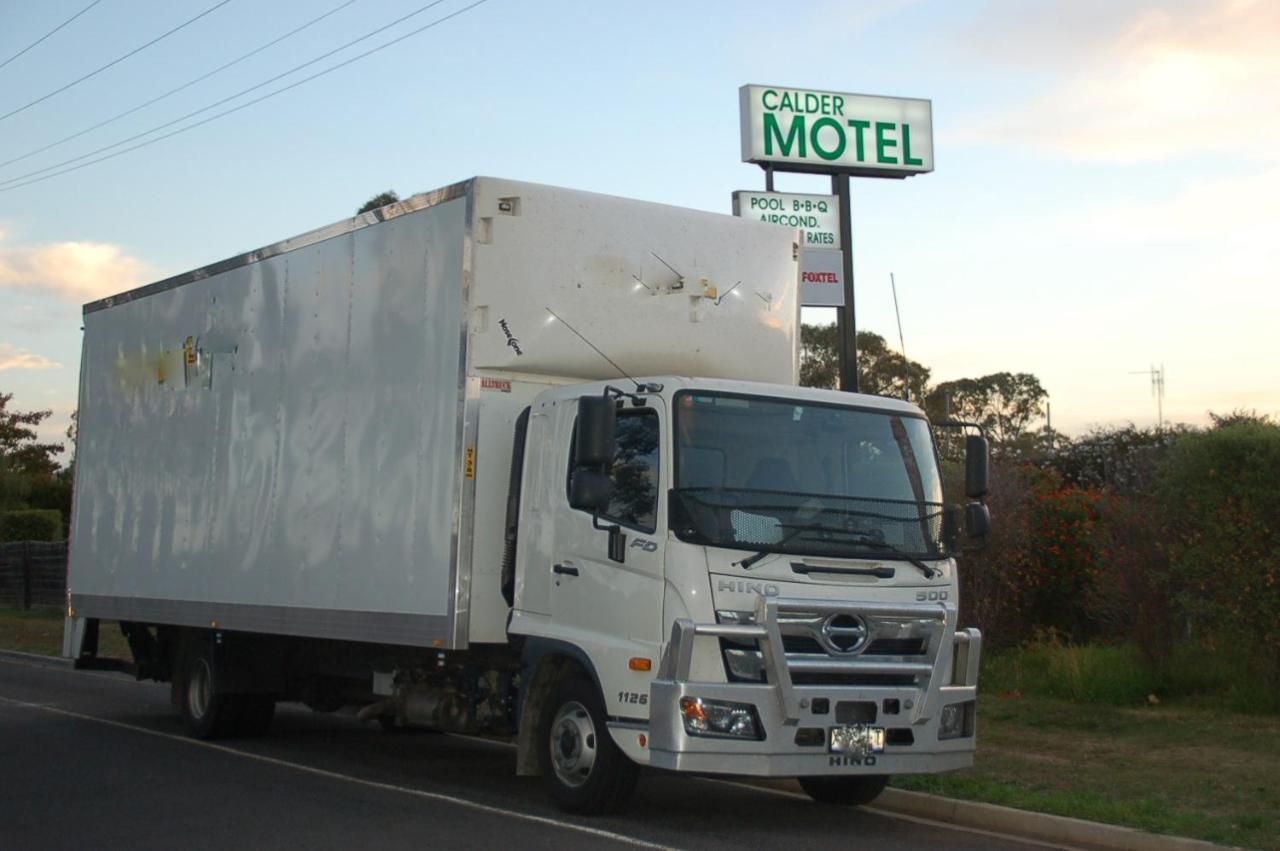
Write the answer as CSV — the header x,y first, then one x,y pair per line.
x,y
584,771
206,713
844,791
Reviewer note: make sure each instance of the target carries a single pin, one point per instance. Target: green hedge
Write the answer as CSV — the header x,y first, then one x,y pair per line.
x,y
1221,499
31,524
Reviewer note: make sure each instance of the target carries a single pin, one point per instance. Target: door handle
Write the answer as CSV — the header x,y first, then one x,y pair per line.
x,y
564,569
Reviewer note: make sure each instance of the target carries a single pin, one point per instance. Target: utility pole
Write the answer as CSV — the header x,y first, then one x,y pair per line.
x,y
846,317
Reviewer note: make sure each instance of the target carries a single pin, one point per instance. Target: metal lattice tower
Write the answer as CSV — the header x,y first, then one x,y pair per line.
x,y
1157,390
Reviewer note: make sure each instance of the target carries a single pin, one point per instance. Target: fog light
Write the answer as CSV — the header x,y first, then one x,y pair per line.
x,y
956,720
719,719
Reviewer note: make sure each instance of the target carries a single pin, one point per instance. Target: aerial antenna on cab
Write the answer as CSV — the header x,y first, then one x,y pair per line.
x,y
640,387
902,345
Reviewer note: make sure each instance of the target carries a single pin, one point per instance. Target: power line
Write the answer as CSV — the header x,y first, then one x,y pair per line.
x,y
174,91
49,33
4,183
268,95
115,61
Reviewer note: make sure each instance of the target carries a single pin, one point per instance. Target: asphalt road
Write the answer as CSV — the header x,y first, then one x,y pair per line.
x,y
91,759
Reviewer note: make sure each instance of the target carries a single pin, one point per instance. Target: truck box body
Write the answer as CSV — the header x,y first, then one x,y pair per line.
x,y
300,440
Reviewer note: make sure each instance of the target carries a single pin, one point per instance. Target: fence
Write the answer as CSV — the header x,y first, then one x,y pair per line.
x,y
33,573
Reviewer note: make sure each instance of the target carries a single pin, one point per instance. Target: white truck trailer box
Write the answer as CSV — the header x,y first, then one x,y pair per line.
x,y
298,440
513,459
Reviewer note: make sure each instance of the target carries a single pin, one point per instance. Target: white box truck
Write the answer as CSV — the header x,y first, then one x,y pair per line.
x,y
448,462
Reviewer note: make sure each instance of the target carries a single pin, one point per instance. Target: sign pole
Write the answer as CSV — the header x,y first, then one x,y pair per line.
x,y
846,317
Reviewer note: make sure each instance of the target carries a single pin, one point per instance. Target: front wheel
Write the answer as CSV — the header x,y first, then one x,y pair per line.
x,y
845,791
582,768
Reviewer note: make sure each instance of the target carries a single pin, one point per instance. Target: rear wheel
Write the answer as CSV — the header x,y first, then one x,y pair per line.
x,y
206,713
845,791
582,768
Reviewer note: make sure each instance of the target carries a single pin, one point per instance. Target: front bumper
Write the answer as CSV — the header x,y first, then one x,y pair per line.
x,y
910,714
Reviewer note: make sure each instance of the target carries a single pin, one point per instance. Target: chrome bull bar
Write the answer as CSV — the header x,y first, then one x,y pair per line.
x,y
767,632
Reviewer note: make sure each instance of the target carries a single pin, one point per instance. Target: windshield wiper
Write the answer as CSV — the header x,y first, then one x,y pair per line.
x,y
928,571
866,537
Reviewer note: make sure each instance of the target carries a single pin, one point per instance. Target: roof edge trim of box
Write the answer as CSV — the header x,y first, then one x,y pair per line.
x,y
394,210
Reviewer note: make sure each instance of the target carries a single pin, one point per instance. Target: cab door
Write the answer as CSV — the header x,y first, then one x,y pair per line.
x,y
613,610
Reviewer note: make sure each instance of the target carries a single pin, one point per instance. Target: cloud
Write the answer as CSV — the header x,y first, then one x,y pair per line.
x,y
1149,81
75,271
13,357
1235,210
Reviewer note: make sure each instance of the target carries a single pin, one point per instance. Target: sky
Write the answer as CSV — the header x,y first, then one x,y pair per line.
x,y
1106,195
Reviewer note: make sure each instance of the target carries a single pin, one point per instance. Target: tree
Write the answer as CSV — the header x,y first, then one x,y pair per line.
x,y
1240,415
881,371
819,356
1004,403
24,461
20,452
382,199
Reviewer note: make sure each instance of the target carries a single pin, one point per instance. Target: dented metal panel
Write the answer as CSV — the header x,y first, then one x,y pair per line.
x,y
661,290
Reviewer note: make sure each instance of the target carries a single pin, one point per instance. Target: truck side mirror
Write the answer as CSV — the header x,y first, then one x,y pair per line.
x,y
977,520
975,466
594,443
590,490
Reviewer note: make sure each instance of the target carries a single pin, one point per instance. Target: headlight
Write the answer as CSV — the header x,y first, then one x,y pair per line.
x,y
956,720
719,719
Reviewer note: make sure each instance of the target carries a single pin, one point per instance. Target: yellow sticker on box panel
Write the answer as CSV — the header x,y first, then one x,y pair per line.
x,y
469,467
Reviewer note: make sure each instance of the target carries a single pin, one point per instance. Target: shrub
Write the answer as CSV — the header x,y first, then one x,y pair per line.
x,y
1128,598
1040,563
31,524
1065,550
1122,459
994,579
1221,493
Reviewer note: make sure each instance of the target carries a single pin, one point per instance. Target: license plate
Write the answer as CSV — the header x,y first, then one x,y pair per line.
x,y
857,740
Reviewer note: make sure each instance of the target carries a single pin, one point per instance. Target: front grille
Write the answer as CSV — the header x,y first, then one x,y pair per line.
x,y
801,644
896,647
878,647
852,679
901,643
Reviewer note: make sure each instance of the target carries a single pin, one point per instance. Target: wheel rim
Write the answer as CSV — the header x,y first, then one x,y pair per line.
x,y
199,688
573,744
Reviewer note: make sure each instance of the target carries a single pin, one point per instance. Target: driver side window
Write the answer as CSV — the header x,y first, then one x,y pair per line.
x,y
633,473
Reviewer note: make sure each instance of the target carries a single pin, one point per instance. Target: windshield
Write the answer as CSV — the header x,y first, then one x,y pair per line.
x,y
780,476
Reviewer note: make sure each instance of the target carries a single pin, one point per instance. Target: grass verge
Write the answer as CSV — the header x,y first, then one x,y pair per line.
x,y
40,631
1181,770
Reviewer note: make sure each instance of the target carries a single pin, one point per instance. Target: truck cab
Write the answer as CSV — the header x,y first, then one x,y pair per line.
x,y
755,580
